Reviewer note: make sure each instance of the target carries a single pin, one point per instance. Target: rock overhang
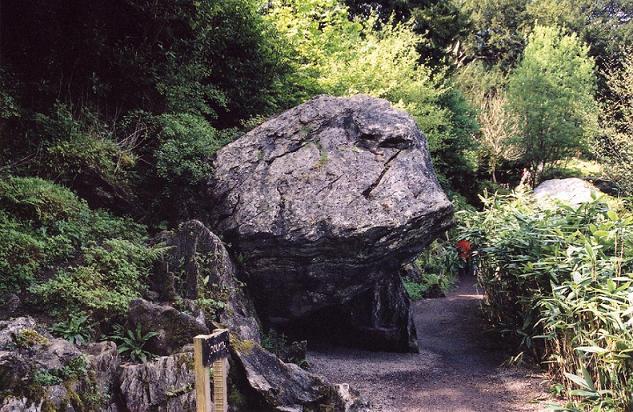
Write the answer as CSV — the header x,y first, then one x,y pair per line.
x,y
325,200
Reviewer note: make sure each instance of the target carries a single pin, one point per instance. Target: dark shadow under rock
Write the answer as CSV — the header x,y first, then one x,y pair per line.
x,y
378,319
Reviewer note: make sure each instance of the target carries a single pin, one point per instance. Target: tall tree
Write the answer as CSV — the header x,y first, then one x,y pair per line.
x,y
498,30
499,27
605,25
616,146
440,24
552,91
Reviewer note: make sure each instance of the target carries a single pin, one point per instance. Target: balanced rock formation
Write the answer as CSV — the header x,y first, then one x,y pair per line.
x,y
323,204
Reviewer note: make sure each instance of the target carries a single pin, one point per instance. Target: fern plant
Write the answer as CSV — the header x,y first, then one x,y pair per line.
x,y
131,342
77,329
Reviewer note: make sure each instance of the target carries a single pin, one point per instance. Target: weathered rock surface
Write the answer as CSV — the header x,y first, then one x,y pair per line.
x,y
286,387
175,328
347,399
197,265
165,384
104,361
324,202
573,191
40,372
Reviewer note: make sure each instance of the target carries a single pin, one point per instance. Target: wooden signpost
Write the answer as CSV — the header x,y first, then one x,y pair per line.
x,y
211,351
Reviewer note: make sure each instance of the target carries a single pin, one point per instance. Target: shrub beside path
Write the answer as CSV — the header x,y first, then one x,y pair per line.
x,y
459,367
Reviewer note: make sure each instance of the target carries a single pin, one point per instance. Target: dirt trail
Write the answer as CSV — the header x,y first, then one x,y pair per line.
x,y
458,367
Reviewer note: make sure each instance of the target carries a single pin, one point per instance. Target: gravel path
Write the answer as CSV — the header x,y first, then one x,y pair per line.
x,y
458,367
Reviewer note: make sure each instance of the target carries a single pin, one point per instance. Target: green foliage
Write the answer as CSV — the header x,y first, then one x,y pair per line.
x,y
499,27
438,24
497,34
559,281
440,258
75,369
181,64
203,57
286,350
26,338
415,290
552,93
79,151
8,106
77,142
274,341
575,167
605,25
438,266
45,378
187,144
131,342
110,276
38,201
77,329
66,254
183,160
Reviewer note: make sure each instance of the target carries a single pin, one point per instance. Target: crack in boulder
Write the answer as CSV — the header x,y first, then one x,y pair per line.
x,y
367,192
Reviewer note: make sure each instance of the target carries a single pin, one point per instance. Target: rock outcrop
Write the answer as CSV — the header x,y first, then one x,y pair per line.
x,y
104,361
325,202
286,387
40,372
174,328
572,191
197,265
382,317
165,384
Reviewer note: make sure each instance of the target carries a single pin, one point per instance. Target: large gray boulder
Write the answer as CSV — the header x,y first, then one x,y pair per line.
x,y
324,202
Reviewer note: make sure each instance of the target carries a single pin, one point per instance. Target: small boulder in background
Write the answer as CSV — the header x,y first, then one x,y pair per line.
x,y
573,191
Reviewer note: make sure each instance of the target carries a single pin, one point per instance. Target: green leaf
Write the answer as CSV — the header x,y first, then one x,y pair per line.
x,y
577,380
592,349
